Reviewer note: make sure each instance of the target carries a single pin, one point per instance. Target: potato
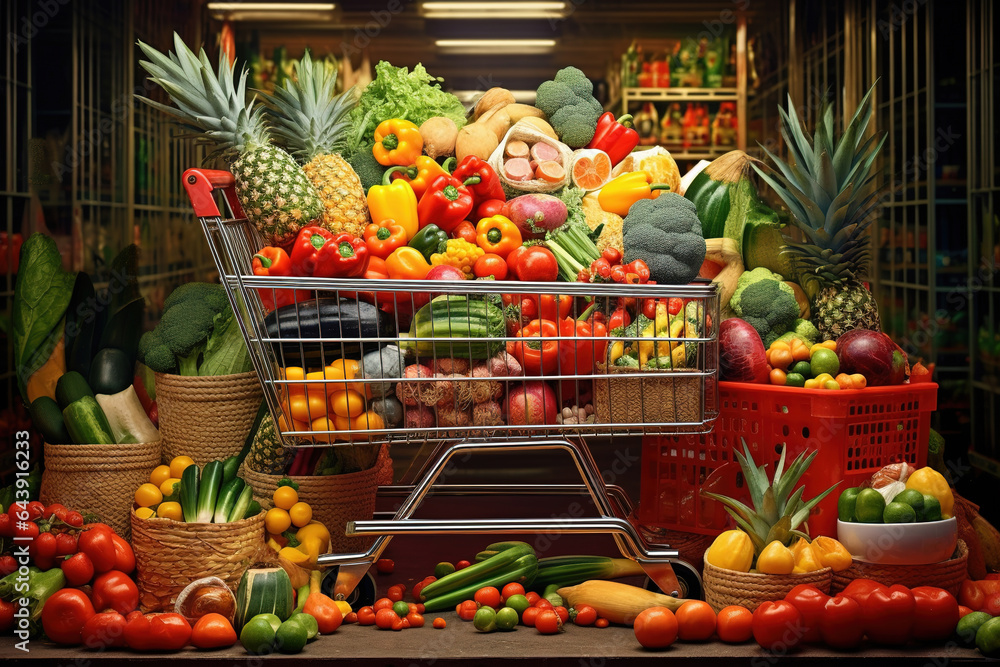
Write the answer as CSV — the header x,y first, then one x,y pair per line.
x,y
493,97
476,139
540,125
519,111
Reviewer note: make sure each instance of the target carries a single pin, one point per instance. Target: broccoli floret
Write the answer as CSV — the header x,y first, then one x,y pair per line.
x,y
569,103
747,278
806,330
154,353
768,309
666,234
366,167
213,294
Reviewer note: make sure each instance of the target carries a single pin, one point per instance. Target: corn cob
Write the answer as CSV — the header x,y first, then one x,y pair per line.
x,y
619,603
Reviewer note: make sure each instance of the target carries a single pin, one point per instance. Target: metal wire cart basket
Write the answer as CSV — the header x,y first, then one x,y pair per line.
x,y
332,358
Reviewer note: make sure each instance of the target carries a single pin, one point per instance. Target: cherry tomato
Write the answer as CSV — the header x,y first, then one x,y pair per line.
x,y
400,624
65,544
419,586
386,618
383,603
695,621
562,613
395,593
529,616
602,623
385,566
351,617
511,589
26,529
115,590
7,565
467,610
533,597
78,569
734,624
74,519
44,550
35,510
124,556
490,264
548,622
6,525
655,627
488,596
440,623
415,620
462,564
366,616
489,208
464,230
585,615
7,610
542,603
99,545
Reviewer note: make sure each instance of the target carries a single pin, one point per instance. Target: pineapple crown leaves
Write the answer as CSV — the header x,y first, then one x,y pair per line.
x,y
306,114
209,103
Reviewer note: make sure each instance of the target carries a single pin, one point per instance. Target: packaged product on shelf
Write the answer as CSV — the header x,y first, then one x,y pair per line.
x,y
646,124
687,68
716,54
630,65
671,127
724,126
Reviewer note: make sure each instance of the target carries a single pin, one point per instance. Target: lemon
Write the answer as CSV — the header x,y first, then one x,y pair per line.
x,y
869,506
159,475
898,513
178,464
170,510
148,495
277,521
284,497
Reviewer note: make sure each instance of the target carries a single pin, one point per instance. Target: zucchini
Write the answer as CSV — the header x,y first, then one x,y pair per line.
x,y
48,419
189,493
128,421
454,315
226,502
86,423
71,387
111,372
263,591
81,321
242,505
328,318
208,491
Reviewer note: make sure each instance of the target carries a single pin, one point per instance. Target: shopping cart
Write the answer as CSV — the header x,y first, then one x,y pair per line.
x,y
458,384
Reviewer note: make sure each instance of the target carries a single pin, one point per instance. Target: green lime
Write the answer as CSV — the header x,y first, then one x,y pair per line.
x,y
911,497
272,620
968,625
401,609
845,506
803,368
291,637
518,603
257,636
485,619
868,506
988,638
795,380
932,509
824,360
898,513
443,569
308,621
507,618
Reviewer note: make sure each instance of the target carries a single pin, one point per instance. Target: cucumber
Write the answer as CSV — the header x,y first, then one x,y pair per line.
x,y
48,419
189,493
110,372
242,506
208,491
228,496
71,387
86,423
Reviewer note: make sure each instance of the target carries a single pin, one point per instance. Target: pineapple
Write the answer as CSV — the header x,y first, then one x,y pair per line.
x,y
778,508
267,455
272,188
313,124
830,193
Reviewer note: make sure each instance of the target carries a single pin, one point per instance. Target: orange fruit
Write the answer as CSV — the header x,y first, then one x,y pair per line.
x,y
591,170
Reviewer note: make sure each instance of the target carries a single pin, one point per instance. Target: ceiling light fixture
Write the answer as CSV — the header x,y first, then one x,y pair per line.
x,y
272,11
493,10
492,46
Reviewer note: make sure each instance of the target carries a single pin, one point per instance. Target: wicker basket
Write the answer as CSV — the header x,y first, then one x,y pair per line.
x,y
206,418
750,589
100,479
334,499
948,575
620,399
170,554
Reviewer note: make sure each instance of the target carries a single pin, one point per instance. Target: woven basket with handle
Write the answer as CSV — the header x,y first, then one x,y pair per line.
x,y
751,589
206,418
948,575
170,554
100,479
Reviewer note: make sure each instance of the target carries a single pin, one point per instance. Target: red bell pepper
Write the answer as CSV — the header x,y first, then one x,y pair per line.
x,y
537,357
481,179
319,253
840,625
615,136
935,613
577,357
888,615
272,261
445,203
777,626
811,602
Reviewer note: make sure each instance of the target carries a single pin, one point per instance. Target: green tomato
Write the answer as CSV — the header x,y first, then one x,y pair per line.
x,y
506,619
795,380
401,609
485,619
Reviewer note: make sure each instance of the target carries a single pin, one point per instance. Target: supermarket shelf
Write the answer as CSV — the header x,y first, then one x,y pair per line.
x,y
991,387
679,94
984,463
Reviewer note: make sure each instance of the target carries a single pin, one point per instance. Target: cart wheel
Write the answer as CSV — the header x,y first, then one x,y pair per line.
x,y
688,578
363,594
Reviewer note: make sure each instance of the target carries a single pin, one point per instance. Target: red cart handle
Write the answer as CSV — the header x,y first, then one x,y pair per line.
x,y
201,183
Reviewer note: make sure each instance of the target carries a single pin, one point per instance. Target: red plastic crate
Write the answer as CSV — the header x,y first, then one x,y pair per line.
x,y
856,432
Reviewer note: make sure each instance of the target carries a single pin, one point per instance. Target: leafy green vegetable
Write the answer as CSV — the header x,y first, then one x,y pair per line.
x,y
41,586
41,298
227,353
573,198
398,93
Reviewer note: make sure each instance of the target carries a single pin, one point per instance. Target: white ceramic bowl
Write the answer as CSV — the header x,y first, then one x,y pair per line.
x,y
900,543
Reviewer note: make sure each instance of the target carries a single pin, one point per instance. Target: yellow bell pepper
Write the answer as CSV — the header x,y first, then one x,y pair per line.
x,y
406,263
394,200
314,539
932,483
620,193
731,550
397,142
832,554
420,174
776,558
806,558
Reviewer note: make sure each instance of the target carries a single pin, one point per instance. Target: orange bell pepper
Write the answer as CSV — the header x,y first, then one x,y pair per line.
x,y
420,174
619,194
498,235
407,263
383,237
397,142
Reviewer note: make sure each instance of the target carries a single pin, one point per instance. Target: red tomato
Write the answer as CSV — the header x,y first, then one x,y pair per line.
x,y
384,566
366,616
74,519
64,614
542,603
35,510
7,610
562,613
386,618
415,620
536,264
65,544
52,510
529,616
602,623
964,611
777,626
511,589
124,556
840,624
467,610
100,547
695,621
810,601
489,208
43,550
157,632
464,230
6,525
103,630
860,589
115,590
440,623
888,615
213,631
79,569
350,617
655,627
395,593
548,622
490,265
734,624
935,613
7,564
382,603
971,595
419,586
462,564
992,606
585,615
533,597
488,596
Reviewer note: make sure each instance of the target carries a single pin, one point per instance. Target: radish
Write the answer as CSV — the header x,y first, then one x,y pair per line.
x,y
741,353
536,214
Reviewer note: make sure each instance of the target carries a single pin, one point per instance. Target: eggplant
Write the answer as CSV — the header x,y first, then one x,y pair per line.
x,y
81,323
332,319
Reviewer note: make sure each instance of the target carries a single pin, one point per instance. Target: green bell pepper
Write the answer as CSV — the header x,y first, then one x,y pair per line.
x,y
428,240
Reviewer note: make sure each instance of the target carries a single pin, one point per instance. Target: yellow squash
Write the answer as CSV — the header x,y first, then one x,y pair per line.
x,y
732,550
